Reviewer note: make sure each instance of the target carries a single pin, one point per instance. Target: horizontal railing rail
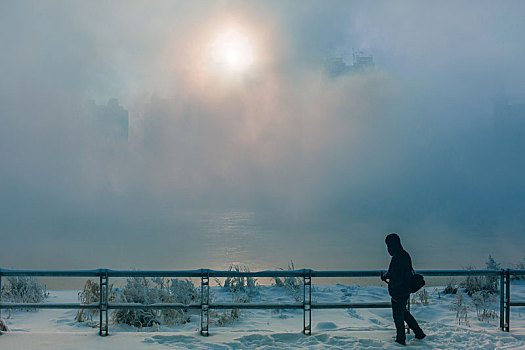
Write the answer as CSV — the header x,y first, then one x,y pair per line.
x,y
205,305
48,306
51,273
517,272
217,273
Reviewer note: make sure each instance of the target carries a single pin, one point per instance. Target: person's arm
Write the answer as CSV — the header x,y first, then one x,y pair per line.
x,y
386,277
395,273
383,277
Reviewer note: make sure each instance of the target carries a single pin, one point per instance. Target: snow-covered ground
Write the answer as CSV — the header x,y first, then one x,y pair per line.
x,y
266,329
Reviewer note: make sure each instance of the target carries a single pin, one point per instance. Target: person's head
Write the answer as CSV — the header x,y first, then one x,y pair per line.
x,y
393,244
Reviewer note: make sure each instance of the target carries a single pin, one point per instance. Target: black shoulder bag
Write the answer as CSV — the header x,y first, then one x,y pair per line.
x,y
416,282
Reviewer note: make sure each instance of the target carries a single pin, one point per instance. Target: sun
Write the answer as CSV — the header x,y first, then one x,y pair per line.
x,y
232,50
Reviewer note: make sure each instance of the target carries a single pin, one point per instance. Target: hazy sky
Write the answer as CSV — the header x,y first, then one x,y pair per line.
x,y
263,157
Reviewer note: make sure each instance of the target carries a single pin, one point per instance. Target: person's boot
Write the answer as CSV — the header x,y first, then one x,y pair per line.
x,y
402,342
420,335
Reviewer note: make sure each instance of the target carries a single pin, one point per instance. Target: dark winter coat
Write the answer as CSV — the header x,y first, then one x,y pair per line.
x,y
399,272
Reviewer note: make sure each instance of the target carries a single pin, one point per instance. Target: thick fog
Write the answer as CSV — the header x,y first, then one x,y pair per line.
x,y
280,161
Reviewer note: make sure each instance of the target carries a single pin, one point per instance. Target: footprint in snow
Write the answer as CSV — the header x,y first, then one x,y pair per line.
x,y
353,313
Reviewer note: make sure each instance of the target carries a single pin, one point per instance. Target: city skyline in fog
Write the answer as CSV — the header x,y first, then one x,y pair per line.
x,y
188,135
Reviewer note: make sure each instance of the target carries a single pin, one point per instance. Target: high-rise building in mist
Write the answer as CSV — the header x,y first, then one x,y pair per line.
x,y
110,120
336,65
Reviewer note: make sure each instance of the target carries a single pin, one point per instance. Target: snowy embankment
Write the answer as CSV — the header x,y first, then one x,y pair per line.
x,y
267,329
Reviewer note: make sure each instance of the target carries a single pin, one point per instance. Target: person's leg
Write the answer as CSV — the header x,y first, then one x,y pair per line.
x,y
398,313
412,323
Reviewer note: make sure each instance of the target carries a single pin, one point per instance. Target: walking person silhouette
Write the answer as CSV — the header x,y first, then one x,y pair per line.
x,y
399,279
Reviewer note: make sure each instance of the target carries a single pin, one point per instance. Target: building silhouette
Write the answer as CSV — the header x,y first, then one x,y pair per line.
x,y
336,65
110,120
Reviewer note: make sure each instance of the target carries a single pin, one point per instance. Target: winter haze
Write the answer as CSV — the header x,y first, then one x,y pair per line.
x,y
278,160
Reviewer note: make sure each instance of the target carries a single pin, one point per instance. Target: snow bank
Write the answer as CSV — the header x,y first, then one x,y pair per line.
x,y
270,329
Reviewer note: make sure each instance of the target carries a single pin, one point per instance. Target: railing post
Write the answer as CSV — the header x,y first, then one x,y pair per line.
x,y
507,313
107,302
100,301
307,302
205,301
103,300
1,292
502,300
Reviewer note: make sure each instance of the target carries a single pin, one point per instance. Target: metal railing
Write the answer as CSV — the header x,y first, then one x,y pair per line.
x,y
205,306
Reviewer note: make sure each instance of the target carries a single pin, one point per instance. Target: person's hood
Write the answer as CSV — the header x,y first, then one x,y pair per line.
x,y
394,248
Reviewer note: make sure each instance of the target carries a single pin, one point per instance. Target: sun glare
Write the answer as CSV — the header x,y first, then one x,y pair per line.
x,y
232,51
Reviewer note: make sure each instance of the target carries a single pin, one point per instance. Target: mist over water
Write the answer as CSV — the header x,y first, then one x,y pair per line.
x,y
122,145
217,239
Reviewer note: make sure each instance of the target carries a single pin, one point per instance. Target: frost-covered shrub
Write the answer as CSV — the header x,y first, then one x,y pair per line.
x,y
461,309
22,289
484,304
91,294
489,284
227,317
3,326
137,290
519,266
144,291
242,290
450,288
492,264
243,287
182,291
492,281
420,297
474,284
177,291
292,285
